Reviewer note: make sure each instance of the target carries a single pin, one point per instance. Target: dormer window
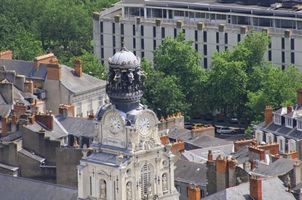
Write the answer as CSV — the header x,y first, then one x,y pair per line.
x,y
299,126
277,119
289,122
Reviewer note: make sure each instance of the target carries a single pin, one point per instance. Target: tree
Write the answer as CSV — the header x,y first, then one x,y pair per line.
x,y
91,65
162,93
176,57
226,85
278,88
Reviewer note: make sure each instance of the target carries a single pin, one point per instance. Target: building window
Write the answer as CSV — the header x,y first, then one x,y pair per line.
x,y
102,53
217,48
122,41
101,27
205,50
292,57
283,56
79,110
205,63
142,44
133,29
122,29
217,37
299,126
154,44
113,41
283,43
143,54
163,32
270,45
196,36
134,43
269,55
175,32
196,47
238,38
154,32
205,36
292,44
184,31
142,30
103,190
102,39
146,180
113,28
226,38
114,51
289,122
277,119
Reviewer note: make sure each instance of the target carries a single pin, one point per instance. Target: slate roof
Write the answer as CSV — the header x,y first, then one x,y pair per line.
x,y
25,68
200,141
17,188
280,130
272,188
58,131
104,158
31,155
190,172
78,85
280,167
242,155
78,126
201,155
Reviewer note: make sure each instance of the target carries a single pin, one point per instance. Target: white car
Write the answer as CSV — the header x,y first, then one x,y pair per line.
x,y
224,130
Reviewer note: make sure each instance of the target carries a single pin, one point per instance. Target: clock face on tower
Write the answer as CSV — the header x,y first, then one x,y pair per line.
x,y
145,123
114,122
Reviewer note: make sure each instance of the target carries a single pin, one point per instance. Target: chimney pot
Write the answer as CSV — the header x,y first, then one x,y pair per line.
x,y
268,115
210,155
78,70
256,187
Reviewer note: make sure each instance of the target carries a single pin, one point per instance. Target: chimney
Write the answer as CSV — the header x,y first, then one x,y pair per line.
x,y
78,70
31,119
232,179
194,192
164,139
14,122
29,87
289,109
210,156
44,59
221,173
299,96
256,188
268,115
45,120
4,128
297,173
53,69
66,110
7,55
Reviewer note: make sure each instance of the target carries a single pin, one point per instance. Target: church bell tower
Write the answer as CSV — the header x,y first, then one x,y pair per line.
x,y
127,162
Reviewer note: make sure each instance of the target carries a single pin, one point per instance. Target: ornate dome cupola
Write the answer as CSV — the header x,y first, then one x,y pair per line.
x,y
125,80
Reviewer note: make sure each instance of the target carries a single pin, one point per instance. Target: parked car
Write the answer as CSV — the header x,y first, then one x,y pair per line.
x,y
225,130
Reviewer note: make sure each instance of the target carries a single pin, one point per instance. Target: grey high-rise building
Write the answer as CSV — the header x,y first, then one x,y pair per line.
x,y
212,26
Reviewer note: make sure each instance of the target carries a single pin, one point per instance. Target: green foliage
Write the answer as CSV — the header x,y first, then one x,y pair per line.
x,y
176,57
278,88
61,26
90,64
162,93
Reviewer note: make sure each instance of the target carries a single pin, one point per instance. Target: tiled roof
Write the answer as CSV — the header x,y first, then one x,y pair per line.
x,y
272,188
21,188
78,85
190,172
78,126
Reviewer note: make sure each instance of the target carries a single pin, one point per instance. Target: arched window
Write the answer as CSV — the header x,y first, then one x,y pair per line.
x,y
164,180
129,190
146,186
103,189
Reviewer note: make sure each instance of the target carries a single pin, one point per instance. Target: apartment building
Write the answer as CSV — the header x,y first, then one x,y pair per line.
x,y
212,25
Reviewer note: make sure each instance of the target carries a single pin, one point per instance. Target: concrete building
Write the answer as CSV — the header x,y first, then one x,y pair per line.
x,y
212,25
59,84
128,161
